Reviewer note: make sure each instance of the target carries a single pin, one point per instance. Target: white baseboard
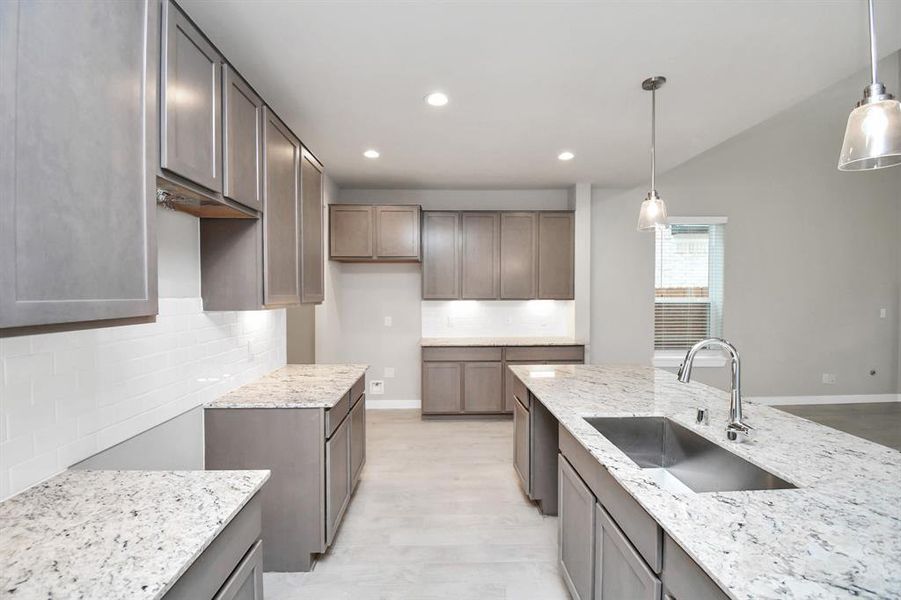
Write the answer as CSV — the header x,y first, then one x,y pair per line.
x,y
838,399
379,404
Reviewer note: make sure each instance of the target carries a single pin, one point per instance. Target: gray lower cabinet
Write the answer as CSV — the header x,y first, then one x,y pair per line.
x,y
242,141
230,568
440,255
191,102
619,571
483,387
442,387
281,193
556,255
479,255
312,282
77,185
576,529
337,478
521,450
357,440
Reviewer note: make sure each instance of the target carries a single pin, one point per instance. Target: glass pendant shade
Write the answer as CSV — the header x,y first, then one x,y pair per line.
x,y
873,137
653,213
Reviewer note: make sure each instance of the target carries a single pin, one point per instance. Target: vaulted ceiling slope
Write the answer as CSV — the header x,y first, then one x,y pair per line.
x,y
528,80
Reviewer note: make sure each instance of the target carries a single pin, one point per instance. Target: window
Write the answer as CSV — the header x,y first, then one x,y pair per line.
x,y
688,285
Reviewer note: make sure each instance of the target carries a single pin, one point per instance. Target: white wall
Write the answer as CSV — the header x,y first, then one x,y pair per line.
x,y
350,323
66,396
812,255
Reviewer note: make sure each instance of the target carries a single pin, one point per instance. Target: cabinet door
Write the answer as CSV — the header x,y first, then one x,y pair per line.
x,y
441,388
483,384
337,479
576,532
619,571
246,581
357,440
519,256
521,453
440,255
350,231
479,255
281,152
242,141
311,274
556,256
397,232
191,101
78,161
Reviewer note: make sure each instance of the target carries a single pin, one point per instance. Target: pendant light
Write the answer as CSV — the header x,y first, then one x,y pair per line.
x,y
873,135
653,210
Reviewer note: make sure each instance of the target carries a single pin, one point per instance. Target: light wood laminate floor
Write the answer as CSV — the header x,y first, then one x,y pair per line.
x,y
438,514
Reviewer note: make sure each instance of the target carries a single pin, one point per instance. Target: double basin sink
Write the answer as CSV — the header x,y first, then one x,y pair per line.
x,y
677,452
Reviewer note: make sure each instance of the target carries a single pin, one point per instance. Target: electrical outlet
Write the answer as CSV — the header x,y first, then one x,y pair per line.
x,y
829,378
389,372
376,387
388,321
883,313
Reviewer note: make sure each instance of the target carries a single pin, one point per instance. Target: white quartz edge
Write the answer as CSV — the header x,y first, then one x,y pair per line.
x,y
438,342
292,385
865,489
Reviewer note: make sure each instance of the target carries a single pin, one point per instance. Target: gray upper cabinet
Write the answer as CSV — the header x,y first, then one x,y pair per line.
x,y
397,232
518,256
242,133
440,255
77,179
350,231
479,255
281,248
312,284
556,255
191,102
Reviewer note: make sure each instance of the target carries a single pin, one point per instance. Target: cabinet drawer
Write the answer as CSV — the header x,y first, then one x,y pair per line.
x,y
574,354
683,579
619,571
462,353
635,522
357,390
335,414
246,582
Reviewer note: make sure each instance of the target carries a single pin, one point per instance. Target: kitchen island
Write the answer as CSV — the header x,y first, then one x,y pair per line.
x,y
836,535
307,424
131,535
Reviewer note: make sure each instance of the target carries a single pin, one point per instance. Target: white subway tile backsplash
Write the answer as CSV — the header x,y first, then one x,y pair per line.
x,y
65,396
494,318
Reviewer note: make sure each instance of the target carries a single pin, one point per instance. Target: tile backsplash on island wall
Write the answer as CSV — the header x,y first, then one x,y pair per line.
x,y
498,318
66,396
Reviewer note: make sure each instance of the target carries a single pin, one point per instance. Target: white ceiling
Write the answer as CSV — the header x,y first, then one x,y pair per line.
x,y
529,79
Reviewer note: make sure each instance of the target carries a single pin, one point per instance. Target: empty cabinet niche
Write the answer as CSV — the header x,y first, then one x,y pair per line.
x,y
490,255
374,233
77,227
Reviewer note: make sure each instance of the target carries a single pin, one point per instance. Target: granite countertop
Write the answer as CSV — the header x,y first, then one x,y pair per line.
x,y
837,536
499,341
115,534
295,386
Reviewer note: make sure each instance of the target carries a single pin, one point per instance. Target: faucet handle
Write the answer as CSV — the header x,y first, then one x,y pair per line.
x,y
702,417
738,428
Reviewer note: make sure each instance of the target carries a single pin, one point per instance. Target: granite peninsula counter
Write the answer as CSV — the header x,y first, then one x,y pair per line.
x,y
116,534
838,535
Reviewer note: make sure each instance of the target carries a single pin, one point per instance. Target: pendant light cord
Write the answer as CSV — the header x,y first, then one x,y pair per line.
x,y
654,140
873,57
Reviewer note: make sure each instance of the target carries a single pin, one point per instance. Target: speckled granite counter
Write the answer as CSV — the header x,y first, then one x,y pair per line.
x,y
837,536
115,534
295,386
499,341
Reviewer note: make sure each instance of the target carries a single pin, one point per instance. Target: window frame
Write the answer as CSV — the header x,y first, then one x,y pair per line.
x,y
704,358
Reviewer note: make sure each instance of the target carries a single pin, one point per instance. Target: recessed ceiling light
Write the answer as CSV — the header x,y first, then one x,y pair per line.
x,y
437,99
371,154
566,155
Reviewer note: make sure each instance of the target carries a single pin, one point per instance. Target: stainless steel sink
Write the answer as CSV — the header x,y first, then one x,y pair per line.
x,y
676,451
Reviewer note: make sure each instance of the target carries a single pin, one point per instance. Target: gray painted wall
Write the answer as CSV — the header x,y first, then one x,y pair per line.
x,y
812,254
175,445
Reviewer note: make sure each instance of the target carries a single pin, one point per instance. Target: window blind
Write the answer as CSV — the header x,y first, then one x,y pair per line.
x,y
688,299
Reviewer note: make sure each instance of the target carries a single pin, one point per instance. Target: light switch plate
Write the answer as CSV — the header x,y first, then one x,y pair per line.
x,y
883,313
376,387
829,378
388,321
